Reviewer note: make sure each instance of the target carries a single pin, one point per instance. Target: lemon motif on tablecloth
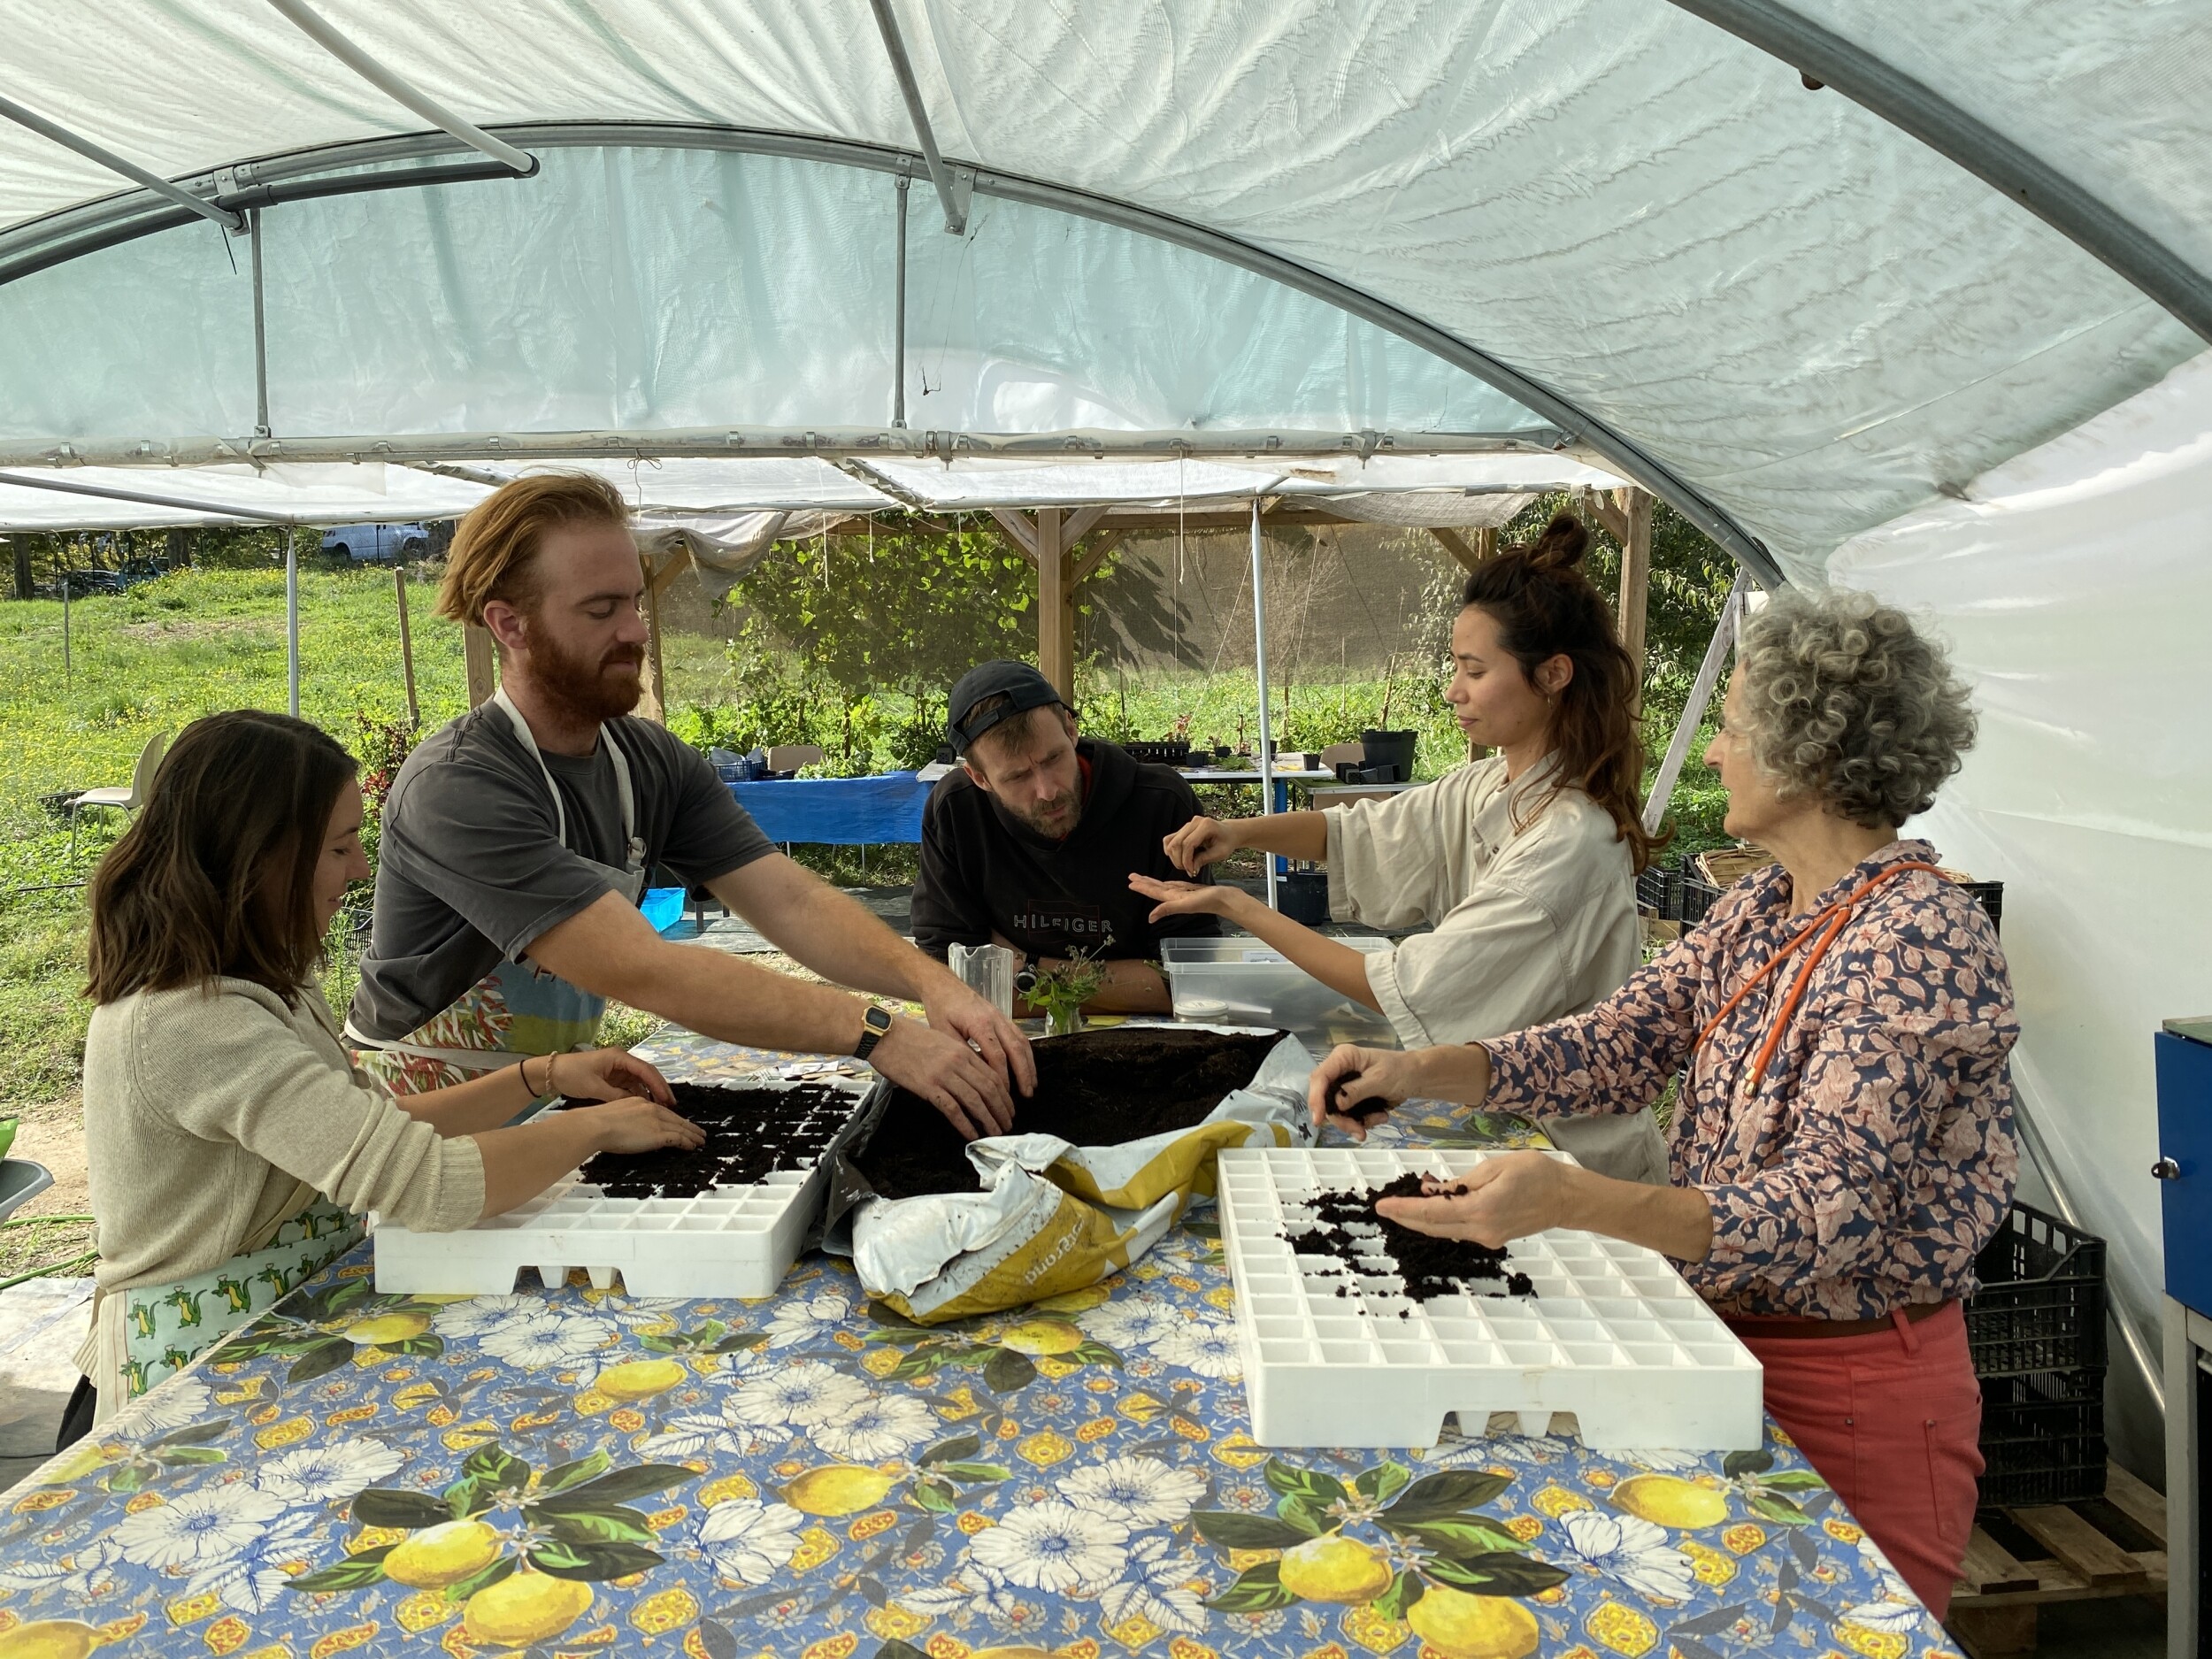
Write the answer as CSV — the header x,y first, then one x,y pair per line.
x,y
1462,1626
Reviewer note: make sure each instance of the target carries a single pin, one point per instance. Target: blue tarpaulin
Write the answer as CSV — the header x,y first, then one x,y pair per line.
x,y
843,811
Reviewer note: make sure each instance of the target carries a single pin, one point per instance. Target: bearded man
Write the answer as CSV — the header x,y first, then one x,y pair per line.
x,y
517,840
1031,841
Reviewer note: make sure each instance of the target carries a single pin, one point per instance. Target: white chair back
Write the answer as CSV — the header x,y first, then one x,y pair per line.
x,y
149,763
791,756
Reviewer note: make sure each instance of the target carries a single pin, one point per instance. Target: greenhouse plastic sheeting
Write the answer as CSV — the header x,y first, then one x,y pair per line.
x,y
367,493
1816,320
2075,584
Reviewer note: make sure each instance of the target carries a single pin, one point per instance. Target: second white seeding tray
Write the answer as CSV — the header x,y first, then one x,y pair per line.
x,y
1613,1333
727,1241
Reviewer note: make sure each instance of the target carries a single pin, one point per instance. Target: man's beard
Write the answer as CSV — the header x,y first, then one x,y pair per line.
x,y
1056,817
580,686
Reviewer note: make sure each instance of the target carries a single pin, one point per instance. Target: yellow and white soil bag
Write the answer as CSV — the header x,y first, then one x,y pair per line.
x,y
1054,1216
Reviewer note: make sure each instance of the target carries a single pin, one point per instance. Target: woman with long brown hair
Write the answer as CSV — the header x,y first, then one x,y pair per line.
x,y
231,1144
1525,863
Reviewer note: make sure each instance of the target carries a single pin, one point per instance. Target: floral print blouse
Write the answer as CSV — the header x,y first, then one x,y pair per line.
x,y
1877,1155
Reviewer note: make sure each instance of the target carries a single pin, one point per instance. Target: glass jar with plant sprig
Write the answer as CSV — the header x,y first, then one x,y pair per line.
x,y
1062,990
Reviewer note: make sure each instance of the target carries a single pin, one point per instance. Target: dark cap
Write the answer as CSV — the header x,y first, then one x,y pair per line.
x,y
1023,686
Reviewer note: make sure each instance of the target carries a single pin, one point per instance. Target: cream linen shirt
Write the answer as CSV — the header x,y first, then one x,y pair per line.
x,y
1533,907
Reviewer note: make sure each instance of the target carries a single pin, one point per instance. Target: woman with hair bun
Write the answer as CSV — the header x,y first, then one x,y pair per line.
x,y
1524,863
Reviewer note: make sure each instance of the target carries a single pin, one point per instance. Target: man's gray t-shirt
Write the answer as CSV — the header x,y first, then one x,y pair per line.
x,y
471,869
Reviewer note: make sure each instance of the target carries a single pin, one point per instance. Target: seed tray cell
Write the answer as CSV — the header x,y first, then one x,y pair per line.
x,y
728,1240
1612,1334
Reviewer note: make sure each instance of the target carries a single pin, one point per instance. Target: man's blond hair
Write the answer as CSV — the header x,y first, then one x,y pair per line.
x,y
495,551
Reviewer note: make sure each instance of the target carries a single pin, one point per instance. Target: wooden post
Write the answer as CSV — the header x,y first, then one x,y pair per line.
x,y
653,705
1635,578
482,663
406,649
1055,607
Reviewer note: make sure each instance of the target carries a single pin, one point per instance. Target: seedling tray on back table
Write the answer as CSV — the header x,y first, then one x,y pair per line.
x,y
690,1238
1610,1332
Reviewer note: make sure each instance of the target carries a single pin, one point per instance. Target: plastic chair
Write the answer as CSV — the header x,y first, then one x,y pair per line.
x,y
129,799
1337,753
791,756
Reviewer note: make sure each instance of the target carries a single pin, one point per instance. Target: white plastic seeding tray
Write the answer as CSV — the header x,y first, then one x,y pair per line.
x,y
1613,1334
726,1241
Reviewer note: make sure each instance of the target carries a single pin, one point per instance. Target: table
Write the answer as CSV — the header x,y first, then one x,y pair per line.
x,y
840,811
793,1477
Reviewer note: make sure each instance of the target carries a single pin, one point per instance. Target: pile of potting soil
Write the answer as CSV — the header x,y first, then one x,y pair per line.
x,y
751,1132
1347,1226
1095,1088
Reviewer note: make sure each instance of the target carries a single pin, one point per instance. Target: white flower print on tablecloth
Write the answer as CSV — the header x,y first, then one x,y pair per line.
x,y
1054,1547
797,1395
327,1474
197,1529
1634,1551
873,1428
743,1539
179,1403
479,1317
797,1322
1899,1610
1208,1347
254,1579
81,1574
554,1341
1133,1322
1155,1585
1137,1491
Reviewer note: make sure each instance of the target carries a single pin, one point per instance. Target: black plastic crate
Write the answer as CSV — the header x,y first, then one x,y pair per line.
x,y
1652,892
2041,1307
1991,893
2043,1439
1696,895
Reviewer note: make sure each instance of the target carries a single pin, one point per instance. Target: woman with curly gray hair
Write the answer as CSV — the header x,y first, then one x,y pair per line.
x,y
1841,1147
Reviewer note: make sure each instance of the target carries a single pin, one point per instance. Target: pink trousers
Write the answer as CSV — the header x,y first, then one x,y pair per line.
x,y
1892,1421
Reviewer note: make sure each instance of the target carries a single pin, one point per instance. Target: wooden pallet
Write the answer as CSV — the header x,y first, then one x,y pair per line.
x,y
1993,1611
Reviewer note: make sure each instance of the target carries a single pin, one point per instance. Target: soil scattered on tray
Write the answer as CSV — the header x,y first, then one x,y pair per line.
x,y
1095,1088
1347,1227
751,1132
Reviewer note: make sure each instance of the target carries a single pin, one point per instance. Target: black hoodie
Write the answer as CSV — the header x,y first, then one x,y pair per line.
x,y
985,870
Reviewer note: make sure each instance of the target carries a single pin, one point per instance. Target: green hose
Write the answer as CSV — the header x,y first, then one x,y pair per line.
x,y
64,1265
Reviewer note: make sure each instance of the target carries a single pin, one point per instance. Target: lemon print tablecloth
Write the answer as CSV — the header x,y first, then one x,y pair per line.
x,y
569,1471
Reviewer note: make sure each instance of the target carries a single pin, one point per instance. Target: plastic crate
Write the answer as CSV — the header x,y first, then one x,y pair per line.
x,y
2043,1439
2041,1307
1695,897
1991,893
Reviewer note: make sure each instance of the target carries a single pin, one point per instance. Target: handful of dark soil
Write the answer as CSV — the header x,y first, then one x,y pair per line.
x,y
751,1132
1346,1226
1094,1088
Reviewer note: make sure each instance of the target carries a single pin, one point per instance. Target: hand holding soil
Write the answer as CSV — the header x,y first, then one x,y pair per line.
x,y
639,1126
960,1083
1503,1198
606,1074
1202,842
1352,1087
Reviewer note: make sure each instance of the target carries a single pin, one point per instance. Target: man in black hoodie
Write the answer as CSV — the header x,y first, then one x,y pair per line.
x,y
1031,841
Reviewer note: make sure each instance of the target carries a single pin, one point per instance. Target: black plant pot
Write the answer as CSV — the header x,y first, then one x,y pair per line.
x,y
1391,748
1304,896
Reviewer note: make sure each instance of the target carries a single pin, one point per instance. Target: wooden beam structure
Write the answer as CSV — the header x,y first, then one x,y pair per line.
x,y
481,662
1055,606
658,572
407,648
1625,516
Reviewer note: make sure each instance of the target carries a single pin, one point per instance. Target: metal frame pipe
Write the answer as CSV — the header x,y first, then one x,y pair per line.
x,y
292,619
950,196
2082,216
401,91
1259,666
1572,423
226,217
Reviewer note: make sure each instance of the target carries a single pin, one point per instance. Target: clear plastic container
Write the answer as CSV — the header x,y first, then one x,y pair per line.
x,y
1239,979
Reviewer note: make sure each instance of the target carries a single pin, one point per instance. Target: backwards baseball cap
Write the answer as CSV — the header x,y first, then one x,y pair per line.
x,y
1022,686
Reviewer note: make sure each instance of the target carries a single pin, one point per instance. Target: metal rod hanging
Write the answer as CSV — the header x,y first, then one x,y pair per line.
x,y
260,337
130,170
292,619
400,91
898,345
1259,665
